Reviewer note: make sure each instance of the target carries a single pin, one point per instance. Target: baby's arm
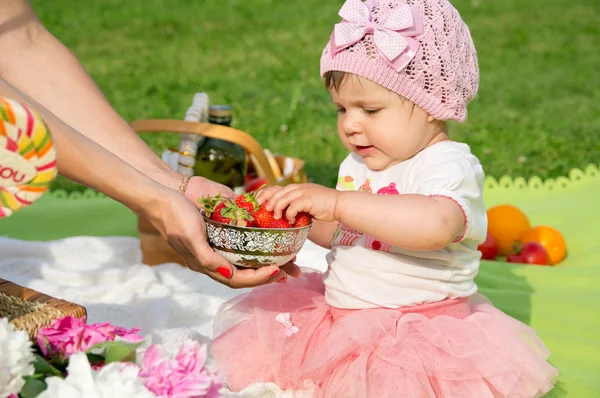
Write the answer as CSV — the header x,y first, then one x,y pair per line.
x,y
442,204
321,232
411,221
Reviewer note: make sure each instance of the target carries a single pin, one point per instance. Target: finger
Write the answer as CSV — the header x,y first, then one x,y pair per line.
x,y
265,194
280,202
286,201
292,269
228,193
250,277
225,274
240,278
278,276
297,206
190,261
279,194
194,264
209,259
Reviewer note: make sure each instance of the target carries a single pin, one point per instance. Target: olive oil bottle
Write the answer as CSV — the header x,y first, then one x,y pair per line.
x,y
218,160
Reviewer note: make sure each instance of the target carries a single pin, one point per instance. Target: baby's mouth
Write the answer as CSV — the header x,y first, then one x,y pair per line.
x,y
364,149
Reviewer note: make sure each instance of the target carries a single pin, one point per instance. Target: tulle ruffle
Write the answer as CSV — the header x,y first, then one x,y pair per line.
x,y
454,348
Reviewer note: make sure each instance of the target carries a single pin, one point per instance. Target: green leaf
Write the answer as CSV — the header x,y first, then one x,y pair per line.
x,y
32,388
95,359
116,351
121,353
42,366
59,360
100,347
36,376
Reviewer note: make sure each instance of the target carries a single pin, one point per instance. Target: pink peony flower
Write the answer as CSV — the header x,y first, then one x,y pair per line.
x,y
111,332
69,335
183,377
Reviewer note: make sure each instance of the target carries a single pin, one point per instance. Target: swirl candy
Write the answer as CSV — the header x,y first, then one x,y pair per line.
x,y
27,157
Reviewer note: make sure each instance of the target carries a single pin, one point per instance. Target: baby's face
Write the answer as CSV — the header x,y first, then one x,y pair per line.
x,y
380,126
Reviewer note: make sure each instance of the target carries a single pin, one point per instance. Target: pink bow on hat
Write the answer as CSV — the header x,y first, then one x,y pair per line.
x,y
284,319
392,33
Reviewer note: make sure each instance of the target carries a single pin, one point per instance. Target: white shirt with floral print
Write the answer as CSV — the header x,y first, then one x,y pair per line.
x,y
365,272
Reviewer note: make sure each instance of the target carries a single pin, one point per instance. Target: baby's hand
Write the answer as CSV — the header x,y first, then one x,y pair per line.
x,y
315,199
265,194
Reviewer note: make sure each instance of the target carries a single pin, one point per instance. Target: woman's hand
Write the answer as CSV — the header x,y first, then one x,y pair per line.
x,y
200,186
315,199
210,263
181,224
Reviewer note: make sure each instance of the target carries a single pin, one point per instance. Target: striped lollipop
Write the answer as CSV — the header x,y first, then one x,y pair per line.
x,y
27,157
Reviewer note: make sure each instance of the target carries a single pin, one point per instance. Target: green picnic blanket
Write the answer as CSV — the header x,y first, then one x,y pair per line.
x,y
561,303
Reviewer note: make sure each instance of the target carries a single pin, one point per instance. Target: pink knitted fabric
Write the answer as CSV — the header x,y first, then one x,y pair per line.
x,y
442,77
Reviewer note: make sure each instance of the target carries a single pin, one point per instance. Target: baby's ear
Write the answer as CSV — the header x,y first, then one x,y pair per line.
x,y
430,118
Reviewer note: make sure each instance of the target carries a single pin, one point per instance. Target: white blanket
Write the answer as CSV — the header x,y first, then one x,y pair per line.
x,y
168,302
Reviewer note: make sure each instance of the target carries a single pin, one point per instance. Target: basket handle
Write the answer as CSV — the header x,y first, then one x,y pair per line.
x,y
225,133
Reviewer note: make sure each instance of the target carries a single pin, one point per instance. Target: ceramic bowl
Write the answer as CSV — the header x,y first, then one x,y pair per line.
x,y
253,247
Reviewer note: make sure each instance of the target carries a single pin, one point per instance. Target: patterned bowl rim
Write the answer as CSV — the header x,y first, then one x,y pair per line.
x,y
252,229
253,253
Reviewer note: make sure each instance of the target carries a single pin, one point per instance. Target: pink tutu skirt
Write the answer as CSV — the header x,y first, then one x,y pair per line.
x,y
288,335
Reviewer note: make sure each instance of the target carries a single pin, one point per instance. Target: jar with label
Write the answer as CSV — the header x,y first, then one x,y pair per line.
x,y
218,160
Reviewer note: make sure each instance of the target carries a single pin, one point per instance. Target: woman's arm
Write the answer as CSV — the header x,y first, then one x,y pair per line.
x,y
34,61
178,220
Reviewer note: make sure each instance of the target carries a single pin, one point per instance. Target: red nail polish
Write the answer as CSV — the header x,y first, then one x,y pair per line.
x,y
282,280
275,272
226,272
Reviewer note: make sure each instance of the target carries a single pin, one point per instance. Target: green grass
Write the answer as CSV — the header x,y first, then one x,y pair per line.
x,y
537,112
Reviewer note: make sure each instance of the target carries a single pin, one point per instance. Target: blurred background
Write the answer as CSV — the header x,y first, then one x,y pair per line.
x,y
537,110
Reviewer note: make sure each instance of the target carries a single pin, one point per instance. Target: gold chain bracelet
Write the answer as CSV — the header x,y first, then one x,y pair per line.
x,y
184,184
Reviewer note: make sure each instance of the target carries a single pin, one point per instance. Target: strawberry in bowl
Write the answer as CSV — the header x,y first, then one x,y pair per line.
x,y
248,235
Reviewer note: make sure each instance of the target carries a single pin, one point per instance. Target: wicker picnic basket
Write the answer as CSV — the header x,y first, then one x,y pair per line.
x,y
155,250
29,310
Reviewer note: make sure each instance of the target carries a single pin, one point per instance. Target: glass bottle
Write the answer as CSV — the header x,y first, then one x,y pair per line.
x,y
218,160
188,145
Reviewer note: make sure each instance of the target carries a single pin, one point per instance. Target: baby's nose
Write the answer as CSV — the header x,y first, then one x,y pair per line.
x,y
352,126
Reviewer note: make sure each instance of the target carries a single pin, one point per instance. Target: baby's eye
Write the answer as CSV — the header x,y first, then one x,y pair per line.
x,y
341,110
371,111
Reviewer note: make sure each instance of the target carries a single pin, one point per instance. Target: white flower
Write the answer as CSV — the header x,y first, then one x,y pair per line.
x,y
16,358
257,390
112,381
270,390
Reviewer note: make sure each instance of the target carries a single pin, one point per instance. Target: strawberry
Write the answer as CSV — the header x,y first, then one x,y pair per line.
x,y
240,217
226,211
255,184
210,203
266,219
231,213
262,217
247,201
302,220
283,223
222,212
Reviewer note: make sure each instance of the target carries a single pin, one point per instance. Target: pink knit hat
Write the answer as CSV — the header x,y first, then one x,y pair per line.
x,y
420,49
